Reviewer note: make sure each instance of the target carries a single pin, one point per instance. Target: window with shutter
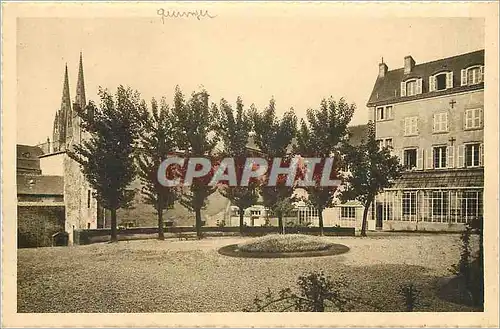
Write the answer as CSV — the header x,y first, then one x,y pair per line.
x,y
419,160
461,156
403,89
451,159
428,159
463,80
473,118
449,80
481,154
432,83
482,73
419,86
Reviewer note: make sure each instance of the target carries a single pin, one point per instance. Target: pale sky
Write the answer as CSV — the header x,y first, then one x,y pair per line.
x,y
297,60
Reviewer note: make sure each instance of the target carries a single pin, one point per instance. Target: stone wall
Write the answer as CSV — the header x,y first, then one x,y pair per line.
x,y
37,224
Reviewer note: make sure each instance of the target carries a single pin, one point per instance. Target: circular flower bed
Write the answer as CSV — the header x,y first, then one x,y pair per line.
x,y
289,245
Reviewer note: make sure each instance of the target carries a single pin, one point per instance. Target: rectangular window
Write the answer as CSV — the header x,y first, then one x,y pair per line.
x,y
380,113
472,206
472,155
411,88
410,158
439,205
440,122
474,76
348,212
440,157
473,118
441,81
409,203
411,126
384,113
388,142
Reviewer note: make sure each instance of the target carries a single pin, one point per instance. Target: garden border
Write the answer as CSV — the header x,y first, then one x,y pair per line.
x,y
232,251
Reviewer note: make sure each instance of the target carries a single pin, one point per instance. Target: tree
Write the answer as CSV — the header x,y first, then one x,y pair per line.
x,y
234,130
371,170
156,144
107,157
321,137
274,136
194,124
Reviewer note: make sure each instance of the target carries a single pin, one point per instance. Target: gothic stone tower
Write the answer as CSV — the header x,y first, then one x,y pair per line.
x,y
81,206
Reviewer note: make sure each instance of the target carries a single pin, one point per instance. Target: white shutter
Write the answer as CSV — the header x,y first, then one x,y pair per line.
x,y
428,159
449,153
480,117
449,80
407,125
403,89
402,157
419,86
432,83
467,114
481,76
446,125
419,160
461,156
415,125
481,154
464,77
435,126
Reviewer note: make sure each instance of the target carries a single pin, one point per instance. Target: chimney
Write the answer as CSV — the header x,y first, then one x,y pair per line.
x,y
409,64
382,69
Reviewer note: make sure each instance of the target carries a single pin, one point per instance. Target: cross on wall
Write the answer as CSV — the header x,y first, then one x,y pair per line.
x,y
452,103
452,140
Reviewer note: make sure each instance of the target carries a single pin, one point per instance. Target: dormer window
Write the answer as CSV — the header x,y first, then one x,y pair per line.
x,y
472,75
441,81
411,87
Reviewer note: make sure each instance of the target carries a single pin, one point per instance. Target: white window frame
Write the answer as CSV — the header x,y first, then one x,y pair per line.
x,y
479,155
384,113
348,212
440,122
416,158
411,126
473,118
443,156
476,78
448,81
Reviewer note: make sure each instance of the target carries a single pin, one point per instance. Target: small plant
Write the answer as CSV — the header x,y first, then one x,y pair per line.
x,y
221,223
316,293
410,296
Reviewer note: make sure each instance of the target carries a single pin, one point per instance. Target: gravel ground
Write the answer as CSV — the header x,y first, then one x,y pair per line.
x,y
190,276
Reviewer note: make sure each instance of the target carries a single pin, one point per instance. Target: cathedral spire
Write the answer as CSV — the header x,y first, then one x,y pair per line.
x,y
66,100
80,86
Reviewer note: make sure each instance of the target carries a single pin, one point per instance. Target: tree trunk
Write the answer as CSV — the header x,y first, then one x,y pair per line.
x,y
114,235
365,216
161,235
280,223
198,223
242,214
320,215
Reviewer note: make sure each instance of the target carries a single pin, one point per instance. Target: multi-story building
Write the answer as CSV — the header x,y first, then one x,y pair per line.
x,y
431,114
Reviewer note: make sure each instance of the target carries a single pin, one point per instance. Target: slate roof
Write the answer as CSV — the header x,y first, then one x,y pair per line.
x,y
387,89
470,177
40,185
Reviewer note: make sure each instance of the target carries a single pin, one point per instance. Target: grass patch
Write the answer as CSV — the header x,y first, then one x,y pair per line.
x,y
285,243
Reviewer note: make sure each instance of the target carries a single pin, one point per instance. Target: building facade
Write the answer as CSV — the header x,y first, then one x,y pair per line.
x,y
81,208
431,115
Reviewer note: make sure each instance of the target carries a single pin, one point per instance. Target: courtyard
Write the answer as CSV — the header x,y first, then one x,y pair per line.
x,y
191,276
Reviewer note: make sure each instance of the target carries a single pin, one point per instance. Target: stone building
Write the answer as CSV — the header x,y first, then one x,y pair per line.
x,y
81,208
431,114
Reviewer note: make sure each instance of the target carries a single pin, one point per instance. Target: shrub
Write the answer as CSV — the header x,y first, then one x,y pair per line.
x,y
285,243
